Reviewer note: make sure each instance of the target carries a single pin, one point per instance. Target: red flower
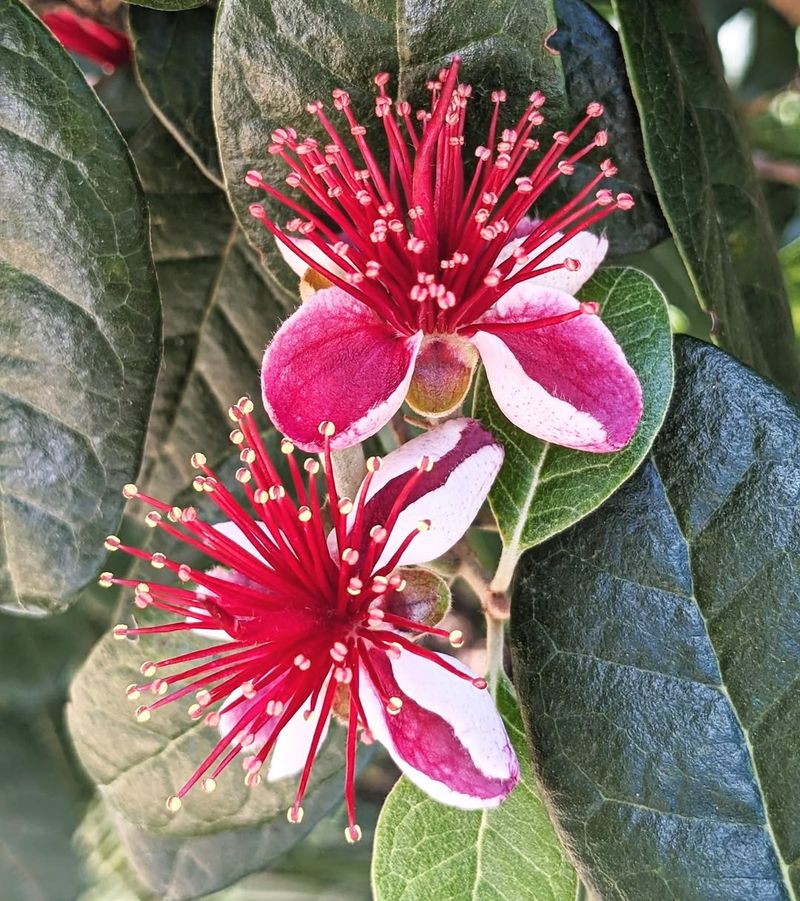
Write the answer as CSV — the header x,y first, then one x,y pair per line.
x,y
306,621
105,46
430,269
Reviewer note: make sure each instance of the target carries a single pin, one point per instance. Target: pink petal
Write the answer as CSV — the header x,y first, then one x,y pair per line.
x,y
570,383
299,265
230,717
587,248
293,744
334,359
448,737
466,459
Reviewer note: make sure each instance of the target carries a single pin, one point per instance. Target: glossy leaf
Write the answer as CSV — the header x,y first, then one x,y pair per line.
x,y
655,652
81,320
594,69
172,53
704,176
219,312
427,850
542,488
271,59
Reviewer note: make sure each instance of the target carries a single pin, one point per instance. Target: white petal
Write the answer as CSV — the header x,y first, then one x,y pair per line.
x,y
587,248
294,742
448,738
299,265
466,461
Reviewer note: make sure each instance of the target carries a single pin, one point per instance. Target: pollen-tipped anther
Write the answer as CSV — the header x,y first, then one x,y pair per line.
x,y
174,804
456,638
353,834
295,814
129,491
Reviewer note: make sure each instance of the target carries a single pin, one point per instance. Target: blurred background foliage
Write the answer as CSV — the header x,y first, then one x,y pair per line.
x,y
57,839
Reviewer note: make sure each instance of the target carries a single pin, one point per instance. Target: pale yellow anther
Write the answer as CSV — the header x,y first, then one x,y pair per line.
x,y
456,638
261,495
184,572
394,705
120,632
424,525
212,719
252,780
355,586
209,485
152,519
148,668
132,692
245,405
378,534
234,413
203,697
142,714
286,446
248,689
247,455
160,686
311,466
327,428
129,491
195,711
208,785
374,464
197,483
105,580
353,834
304,514
158,560
294,814
174,514
112,543
243,475
236,436
174,804
277,492
350,556
197,460
425,464
345,506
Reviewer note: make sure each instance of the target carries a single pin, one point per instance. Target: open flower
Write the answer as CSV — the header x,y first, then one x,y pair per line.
x,y
423,269
308,621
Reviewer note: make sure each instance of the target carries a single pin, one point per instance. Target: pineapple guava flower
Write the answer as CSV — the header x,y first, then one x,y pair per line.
x,y
310,618
423,269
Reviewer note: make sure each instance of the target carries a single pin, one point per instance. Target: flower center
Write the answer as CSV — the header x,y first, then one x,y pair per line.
x,y
421,245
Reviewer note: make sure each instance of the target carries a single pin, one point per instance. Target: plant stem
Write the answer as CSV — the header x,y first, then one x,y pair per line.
x,y
495,646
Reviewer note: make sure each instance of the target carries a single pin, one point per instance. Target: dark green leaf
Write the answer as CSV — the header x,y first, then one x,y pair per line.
x,y
656,652
81,320
172,52
424,849
542,488
271,59
594,69
169,5
219,312
706,183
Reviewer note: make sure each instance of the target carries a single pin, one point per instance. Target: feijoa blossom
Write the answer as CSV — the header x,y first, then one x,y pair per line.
x,y
313,605
422,269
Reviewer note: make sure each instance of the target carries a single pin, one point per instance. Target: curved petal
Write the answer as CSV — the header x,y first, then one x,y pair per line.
x,y
334,359
466,459
448,737
299,265
293,744
587,248
569,383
